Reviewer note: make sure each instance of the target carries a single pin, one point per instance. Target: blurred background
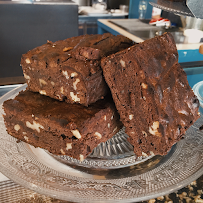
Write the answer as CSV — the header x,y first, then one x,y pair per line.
x,y
26,24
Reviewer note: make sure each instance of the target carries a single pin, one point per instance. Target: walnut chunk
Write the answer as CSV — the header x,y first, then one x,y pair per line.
x,y
26,138
81,157
35,126
131,116
75,83
122,62
98,135
74,74
76,133
27,60
62,91
160,198
154,129
144,86
144,133
144,154
62,152
16,127
65,73
42,82
67,49
27,77
68,146
152,201
42,92
74,97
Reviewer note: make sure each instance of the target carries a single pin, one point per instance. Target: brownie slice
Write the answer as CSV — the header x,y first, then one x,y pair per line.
x,y
69,70
152,94
59,127
95,47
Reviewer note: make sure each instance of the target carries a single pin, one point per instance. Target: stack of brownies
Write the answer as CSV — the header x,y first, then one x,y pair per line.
x,y
82,90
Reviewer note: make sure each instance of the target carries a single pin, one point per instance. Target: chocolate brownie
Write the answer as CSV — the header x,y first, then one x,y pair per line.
x,y
152,94
55,69
97,46
59,127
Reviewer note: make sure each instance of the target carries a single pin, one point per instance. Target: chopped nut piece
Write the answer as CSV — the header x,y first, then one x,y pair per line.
x,y
81,157
154,129
183,112
73,74
52,83
75,83
68,146
26,138
109,125
115,129
152,201
76,133
27,77
62,152
144,133
75,98
130,116
42,82
160,198
105,117
194,183
16,127
42,92
62,91
198,199
144,86
67,49
35,126
27,60
65,73
122,63
144,154
98,135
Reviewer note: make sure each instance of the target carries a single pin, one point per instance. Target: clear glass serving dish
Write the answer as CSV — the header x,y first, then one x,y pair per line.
x,y
112,173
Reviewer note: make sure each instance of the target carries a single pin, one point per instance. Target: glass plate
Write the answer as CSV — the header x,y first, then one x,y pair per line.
x,y
145,179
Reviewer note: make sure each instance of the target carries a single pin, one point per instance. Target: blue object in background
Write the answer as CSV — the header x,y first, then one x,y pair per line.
x,y
134,9
189,55
194,75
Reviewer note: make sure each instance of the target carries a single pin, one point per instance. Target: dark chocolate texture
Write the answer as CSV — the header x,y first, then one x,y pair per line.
x,y
60,128
69,70
152,94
